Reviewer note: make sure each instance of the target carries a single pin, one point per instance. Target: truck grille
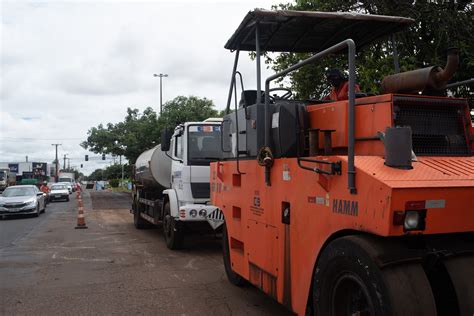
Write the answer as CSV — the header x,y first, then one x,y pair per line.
x,y
438,125
201,190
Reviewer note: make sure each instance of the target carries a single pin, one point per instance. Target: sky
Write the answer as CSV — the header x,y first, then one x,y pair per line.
x,y
67,66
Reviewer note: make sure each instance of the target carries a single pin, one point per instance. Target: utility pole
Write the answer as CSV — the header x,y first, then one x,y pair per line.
x,y
64,166
57,162
26,158
121,183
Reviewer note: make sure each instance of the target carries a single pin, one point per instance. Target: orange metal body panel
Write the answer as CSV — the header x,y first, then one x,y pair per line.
x,y
270,252
280,258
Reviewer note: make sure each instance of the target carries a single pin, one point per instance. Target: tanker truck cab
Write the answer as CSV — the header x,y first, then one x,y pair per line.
x,y
172,182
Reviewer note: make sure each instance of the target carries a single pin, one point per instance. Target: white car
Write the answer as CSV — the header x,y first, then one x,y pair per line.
x,y
58,191
22,199
67,184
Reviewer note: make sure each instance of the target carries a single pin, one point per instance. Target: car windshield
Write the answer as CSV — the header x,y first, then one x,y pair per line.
x,y
204,144
58,187
10,192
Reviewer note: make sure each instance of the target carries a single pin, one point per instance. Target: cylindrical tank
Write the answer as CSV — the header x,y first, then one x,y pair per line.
x,y
153,169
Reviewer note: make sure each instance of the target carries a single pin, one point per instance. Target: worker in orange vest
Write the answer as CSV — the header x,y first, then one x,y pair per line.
x,y
44,188
340,86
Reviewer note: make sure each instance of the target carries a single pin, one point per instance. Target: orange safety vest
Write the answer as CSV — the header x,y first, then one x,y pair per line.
x,y
44,189
341,93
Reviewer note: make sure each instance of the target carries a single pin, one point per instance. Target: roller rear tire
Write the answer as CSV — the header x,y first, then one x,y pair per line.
x,y
233,277
348,282
461,271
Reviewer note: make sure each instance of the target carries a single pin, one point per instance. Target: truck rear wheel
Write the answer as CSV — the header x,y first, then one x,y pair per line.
x,y
173,234
233,277
138,221
347,281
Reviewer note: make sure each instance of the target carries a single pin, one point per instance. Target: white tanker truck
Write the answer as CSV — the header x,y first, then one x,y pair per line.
x,y
171,182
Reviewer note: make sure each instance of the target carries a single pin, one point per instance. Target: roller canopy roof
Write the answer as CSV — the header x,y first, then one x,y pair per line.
x,y
305,31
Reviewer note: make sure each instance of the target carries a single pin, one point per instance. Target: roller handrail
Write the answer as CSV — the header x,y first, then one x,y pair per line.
x,y
349,43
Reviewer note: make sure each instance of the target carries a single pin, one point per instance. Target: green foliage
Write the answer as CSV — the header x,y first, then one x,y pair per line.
x,y
114,183
115,171
96,175
184,109
439,25
141,131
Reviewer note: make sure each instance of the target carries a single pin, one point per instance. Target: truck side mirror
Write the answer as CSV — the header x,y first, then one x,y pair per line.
x,y
166,139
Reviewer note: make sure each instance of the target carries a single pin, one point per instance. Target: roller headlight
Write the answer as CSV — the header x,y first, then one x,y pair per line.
x,y
412,220
193,213
202,213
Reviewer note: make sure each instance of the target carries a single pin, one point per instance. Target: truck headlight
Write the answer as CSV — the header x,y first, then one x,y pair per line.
x,y
193,213
202,213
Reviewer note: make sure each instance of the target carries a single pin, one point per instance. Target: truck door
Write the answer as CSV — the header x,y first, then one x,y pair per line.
x,y
177,166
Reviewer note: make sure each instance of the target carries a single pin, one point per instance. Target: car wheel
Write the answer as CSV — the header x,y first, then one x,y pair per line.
x,y
67,199
37,210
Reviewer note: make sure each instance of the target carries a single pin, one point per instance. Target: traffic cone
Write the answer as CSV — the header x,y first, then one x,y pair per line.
x,y
81,221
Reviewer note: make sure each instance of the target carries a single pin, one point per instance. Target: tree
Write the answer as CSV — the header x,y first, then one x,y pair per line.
x,y
96,175
141,131
183,109
115,171
439,25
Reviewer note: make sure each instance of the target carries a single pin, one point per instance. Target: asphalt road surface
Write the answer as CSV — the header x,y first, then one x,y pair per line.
x,y
47,267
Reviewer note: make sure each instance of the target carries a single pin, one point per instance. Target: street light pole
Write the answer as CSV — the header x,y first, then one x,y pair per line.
x,y
56,161
161,88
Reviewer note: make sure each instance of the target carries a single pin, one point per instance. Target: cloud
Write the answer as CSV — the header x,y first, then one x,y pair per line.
x,y
67,66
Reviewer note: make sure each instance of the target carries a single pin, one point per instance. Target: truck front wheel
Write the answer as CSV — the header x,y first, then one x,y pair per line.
x,y
347,281
173,233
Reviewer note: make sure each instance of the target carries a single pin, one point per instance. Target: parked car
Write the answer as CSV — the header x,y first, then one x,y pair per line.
x,y
22,199
58,191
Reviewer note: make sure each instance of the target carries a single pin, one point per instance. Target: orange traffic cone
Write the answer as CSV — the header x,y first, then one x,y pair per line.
x,y
81,221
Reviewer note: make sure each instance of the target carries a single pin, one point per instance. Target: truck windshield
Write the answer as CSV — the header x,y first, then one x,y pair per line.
x,y
2,176
204,144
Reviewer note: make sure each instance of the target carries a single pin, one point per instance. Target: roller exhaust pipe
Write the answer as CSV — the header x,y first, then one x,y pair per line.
x,y
426,80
